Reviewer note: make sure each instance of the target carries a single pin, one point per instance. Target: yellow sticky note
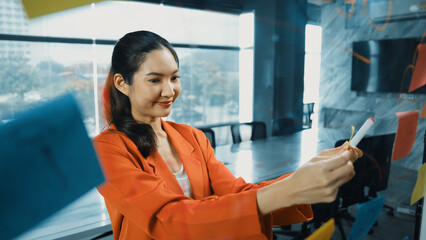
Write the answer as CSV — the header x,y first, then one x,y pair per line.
x,y
324,232
36,8
420,188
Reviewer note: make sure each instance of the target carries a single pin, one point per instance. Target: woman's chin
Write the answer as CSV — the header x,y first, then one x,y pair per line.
x,y
166,113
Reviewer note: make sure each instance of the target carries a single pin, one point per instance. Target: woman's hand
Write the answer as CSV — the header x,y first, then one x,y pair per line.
x,y
319,179
316,181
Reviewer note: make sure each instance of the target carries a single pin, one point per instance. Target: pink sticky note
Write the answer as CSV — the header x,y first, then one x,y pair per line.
x,y
406,134
419,75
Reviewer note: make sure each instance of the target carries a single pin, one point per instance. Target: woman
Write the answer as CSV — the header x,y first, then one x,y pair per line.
x,y
163,180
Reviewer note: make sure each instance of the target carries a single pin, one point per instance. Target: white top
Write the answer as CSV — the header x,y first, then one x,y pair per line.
x,y
183,181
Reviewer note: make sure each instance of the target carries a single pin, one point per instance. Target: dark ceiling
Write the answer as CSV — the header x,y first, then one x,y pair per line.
x,y
233,6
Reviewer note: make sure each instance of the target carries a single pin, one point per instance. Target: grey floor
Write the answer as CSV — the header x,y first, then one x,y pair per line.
x,y
397,195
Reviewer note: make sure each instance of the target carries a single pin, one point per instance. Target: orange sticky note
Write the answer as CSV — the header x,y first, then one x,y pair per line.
x,y
36,8
420,188
406,134
419,75
423,114
324,232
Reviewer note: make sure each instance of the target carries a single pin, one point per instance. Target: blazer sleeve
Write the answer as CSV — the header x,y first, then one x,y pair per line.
x,y
144,199
223,182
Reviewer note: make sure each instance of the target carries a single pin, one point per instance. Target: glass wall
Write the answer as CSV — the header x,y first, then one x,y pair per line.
x,y
47,56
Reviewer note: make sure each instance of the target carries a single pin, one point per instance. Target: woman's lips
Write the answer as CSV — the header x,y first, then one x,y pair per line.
x,y
165,104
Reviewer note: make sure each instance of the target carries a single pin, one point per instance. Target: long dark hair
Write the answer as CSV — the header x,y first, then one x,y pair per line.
x,y
129,53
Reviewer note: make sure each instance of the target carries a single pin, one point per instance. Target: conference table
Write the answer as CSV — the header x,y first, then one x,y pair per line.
x,y
255,161
266,159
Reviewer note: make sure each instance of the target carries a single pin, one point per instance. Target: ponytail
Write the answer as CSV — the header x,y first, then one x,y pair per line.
x,y
117,111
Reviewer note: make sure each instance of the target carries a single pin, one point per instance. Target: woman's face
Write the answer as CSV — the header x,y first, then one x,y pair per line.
x,y
155,87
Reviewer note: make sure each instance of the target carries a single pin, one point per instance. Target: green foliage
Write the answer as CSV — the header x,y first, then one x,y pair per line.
x,y
17,75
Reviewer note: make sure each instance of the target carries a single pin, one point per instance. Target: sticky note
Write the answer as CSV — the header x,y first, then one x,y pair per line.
x,y
36,8
418,78
406,134
423,114
324,232
366,216
47,160
420,188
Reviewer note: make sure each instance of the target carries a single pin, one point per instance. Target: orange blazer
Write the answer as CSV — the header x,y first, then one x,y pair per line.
x,y
145,201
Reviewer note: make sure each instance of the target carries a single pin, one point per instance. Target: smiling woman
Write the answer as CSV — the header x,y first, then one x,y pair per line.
x,y
163,180
138,94
155,87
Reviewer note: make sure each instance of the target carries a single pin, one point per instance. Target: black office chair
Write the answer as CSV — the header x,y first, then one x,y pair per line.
x,y
210,135
308,109
284,126
373,169
257,130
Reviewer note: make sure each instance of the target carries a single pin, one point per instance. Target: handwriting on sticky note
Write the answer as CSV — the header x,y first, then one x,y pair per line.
x,y
419,189
406,134
324,232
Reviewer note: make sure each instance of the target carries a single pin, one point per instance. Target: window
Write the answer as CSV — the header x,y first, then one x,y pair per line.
x,y
210,87
246,42
312,64
54,54
30,79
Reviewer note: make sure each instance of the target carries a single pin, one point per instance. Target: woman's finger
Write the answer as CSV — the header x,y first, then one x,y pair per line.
x,y
343,173
331,152
338,161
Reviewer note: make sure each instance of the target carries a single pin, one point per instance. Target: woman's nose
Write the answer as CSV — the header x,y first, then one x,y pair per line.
x,y
168,90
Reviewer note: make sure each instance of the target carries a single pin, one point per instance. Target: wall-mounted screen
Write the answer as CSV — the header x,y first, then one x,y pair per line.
x,y
379,65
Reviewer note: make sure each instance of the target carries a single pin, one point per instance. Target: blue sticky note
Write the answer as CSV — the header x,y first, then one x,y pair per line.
x,y
367,214
46,161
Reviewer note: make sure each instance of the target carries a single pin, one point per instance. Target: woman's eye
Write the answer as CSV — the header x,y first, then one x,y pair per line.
x,y
174,78
155,80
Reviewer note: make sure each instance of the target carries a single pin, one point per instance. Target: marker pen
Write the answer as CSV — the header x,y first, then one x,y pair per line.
x,y
361,132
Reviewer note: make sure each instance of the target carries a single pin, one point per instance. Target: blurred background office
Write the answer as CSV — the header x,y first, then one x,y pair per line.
x,y
241,61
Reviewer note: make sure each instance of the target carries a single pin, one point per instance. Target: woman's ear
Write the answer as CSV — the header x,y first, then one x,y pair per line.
x,y
121,84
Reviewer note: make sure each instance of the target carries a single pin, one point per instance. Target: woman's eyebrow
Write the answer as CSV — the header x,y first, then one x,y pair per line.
x,y
160,74
155,73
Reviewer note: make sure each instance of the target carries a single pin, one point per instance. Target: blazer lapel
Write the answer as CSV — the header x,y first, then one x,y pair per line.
x,y
192,165
163,171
